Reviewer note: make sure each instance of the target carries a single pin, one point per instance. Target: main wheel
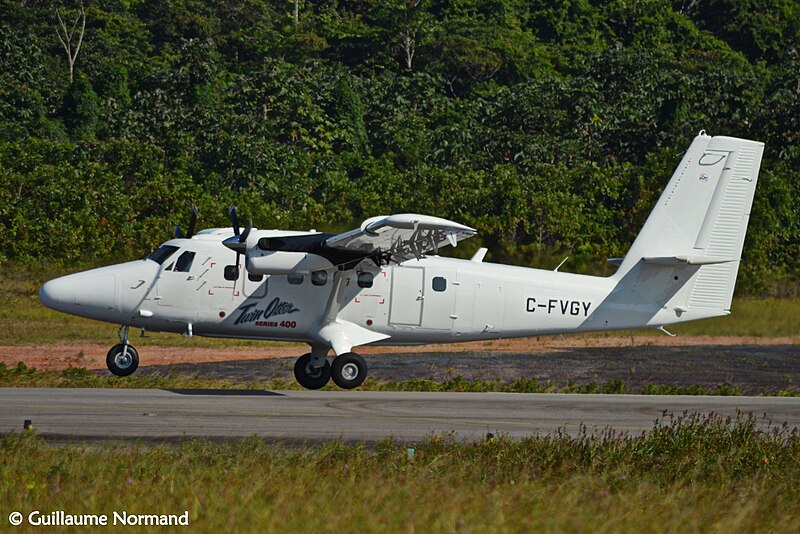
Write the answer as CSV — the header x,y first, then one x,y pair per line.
x,y
349,370
121,362
311,377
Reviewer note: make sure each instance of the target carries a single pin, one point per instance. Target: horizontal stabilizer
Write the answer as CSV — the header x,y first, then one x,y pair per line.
x,y
689,260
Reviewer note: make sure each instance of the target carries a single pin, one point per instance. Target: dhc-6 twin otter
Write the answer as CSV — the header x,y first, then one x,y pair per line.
x,y
384,283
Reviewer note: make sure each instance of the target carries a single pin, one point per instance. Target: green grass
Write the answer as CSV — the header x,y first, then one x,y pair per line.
x,y
689,473
25,321
750,316
77,377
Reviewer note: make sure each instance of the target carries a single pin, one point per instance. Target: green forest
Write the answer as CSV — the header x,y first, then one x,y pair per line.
x,y
551,127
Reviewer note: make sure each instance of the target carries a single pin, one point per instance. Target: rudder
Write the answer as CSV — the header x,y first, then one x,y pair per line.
x,y
723,231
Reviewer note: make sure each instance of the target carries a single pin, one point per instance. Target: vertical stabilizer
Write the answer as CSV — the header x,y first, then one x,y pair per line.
x,y
695,233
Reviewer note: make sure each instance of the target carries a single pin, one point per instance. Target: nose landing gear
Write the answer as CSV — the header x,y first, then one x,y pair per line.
x,y
122,359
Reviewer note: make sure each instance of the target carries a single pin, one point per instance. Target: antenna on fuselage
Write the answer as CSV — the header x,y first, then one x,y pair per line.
x,y
560,264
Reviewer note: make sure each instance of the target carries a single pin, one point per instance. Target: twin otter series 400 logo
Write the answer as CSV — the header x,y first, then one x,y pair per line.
x,y
259,316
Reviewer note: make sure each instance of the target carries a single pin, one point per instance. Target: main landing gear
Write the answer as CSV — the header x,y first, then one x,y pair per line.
x,y
313,371
122,359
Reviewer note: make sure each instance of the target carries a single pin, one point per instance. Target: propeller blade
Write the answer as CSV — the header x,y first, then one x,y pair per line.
x,y
192,223
234,220
238,242
243,237
178,233
236,280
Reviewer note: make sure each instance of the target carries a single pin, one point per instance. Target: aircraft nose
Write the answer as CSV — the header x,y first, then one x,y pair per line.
x,y
98,292
58,294
90,289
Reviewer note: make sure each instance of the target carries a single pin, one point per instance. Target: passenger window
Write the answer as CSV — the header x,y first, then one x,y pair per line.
x,y
319,278
255,277
231,272
295,279
184,263
365,279
439,283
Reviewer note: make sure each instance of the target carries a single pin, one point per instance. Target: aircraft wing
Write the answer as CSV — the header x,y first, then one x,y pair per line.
x,y
401,237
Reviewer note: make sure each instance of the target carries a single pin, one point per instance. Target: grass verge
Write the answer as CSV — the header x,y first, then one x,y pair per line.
x,y
77,377
688,473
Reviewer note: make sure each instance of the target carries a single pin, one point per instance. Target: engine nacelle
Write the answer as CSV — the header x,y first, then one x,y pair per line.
x,y
281,262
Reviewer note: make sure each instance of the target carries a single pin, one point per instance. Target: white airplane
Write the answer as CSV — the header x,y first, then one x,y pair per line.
x,y
380,285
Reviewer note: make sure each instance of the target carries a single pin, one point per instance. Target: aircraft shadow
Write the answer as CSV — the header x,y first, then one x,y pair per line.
x,y
227,392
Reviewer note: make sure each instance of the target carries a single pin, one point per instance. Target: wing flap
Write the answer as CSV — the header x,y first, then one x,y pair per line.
x,y
401,236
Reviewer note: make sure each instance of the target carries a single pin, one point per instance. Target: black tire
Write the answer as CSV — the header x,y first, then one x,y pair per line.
x,y
349,370
120,365
311,377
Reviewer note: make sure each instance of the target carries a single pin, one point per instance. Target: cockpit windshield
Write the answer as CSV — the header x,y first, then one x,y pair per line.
x,y
162,253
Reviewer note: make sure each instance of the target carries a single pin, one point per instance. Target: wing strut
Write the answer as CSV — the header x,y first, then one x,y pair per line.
x,y
338,334
335,298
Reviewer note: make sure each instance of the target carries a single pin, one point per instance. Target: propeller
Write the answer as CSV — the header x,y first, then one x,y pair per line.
x,y
192,224
238,242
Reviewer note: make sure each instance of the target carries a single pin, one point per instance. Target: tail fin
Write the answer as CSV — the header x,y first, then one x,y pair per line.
x,y
698,228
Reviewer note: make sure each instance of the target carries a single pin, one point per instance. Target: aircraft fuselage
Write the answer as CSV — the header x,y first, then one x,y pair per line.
x,y
428,300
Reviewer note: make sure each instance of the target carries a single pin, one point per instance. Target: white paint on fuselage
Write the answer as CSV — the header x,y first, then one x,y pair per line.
x,y
480,301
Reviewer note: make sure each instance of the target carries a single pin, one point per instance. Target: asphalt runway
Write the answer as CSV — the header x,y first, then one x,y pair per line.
x,y
352,416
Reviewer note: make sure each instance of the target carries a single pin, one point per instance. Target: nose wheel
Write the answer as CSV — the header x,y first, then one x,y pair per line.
x,y
122,359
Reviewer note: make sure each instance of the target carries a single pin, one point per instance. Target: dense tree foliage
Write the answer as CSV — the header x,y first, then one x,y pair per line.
x,y
551,127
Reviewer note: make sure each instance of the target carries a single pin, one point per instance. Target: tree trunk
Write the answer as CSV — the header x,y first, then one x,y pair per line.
x,y
408,46
66,39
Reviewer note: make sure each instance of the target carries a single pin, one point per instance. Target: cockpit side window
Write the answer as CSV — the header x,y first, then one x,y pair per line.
x,y
184,263
162,253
